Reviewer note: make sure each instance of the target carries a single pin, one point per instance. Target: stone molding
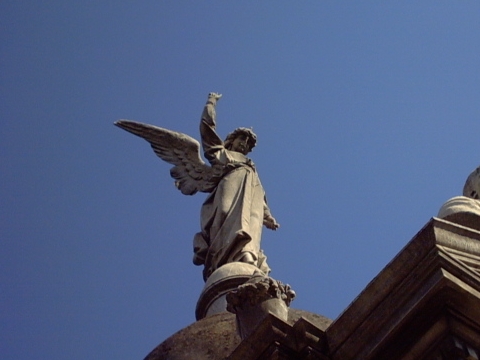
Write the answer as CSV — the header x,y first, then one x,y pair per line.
x,y
253,301
463,211
276,339
430,290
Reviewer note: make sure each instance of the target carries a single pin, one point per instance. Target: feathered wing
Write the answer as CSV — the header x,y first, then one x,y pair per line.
x,y
190,172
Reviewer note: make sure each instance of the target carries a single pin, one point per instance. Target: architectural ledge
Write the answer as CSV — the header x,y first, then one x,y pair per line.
x,y
428,292
276,339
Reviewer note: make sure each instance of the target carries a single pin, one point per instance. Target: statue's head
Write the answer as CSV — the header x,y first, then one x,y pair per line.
x,y
245,133
472,186
213,97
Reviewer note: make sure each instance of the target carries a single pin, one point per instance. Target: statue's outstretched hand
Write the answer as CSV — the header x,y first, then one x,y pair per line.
x,y
270,222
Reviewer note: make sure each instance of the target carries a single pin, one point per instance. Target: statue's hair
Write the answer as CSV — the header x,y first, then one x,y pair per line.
x,y
472,185
214,95
252,138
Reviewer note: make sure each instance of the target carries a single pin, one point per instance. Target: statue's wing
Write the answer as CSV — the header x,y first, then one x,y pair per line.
x,y
190,172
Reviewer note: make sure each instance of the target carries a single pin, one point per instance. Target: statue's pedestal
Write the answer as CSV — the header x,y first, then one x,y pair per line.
x,y
463,211
253,301
212,300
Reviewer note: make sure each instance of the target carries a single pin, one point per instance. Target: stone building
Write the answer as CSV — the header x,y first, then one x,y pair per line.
x,y
425,304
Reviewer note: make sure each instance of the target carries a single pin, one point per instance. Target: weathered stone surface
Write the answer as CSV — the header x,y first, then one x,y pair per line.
x,y
253,301
211,338
215,337
275,339
462,210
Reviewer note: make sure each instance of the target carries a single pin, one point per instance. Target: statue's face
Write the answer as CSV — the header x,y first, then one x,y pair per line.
x,y
240,144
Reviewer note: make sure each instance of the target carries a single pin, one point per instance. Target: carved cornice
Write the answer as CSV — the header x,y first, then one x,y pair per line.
x,y
430,290
276,339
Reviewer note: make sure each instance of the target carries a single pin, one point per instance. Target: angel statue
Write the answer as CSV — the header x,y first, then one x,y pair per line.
x,y
234,212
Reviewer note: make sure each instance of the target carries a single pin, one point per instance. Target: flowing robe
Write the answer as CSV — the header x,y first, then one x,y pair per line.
x,y
232,215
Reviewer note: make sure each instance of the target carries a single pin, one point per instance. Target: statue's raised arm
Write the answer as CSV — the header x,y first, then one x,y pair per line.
x,y
211,142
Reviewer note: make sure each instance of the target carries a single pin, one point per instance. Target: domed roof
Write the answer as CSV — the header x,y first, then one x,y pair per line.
x,y
215,337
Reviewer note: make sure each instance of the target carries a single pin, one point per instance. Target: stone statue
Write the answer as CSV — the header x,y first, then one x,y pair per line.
x,y
472,185
235,210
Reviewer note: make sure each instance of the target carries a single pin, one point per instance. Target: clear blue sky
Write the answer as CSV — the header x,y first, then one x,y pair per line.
x,y
367,116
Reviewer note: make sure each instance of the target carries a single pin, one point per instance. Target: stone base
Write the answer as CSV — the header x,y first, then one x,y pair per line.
x,y
212,300
463,211
250,316
253,301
